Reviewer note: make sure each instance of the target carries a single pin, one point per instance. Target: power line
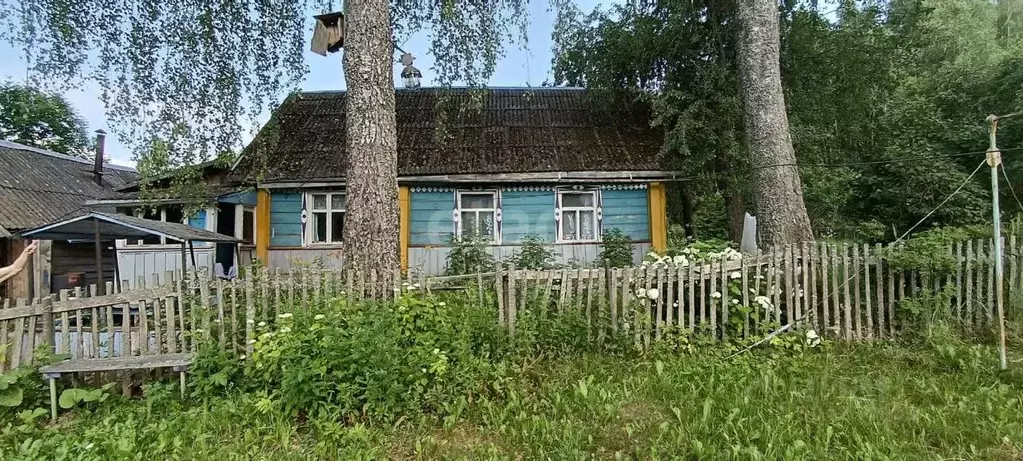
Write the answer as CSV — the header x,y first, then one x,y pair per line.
x,y
1009,183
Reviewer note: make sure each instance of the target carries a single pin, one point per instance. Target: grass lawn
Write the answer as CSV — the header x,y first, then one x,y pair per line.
x,y
842,402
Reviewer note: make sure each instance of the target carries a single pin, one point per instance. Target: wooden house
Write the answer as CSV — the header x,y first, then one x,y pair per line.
x,y
566,165
37,187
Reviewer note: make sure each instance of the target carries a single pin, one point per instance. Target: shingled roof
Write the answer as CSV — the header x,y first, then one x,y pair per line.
x,y
38,186
444,132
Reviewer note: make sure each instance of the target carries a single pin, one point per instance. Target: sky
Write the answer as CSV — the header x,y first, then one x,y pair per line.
x,y
528,65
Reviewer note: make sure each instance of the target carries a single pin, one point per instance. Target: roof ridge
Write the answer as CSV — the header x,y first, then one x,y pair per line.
x,y
57,155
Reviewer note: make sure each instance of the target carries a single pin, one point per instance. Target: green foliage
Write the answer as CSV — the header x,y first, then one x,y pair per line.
x,y
930,252
950,402
468,256
615,249
535,254
887,89
35,118
70,398
23,387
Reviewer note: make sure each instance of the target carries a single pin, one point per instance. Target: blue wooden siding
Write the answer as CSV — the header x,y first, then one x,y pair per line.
x,y
527,212
199,220
628,210
431,222
243,198
286,219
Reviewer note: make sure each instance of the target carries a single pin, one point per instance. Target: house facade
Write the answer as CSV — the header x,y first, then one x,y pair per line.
x,y
564,165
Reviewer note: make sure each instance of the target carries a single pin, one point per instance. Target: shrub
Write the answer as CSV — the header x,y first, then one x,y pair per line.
x,y
379,361
616,249
468,256
534,255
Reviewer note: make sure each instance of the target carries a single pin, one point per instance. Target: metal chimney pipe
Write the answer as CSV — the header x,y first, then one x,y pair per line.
x,y
97,171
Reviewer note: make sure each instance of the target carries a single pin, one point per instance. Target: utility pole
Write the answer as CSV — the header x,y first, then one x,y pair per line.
x,y
994,160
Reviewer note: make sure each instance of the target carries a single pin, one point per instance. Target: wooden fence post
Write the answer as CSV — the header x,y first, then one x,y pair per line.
x,y
48,324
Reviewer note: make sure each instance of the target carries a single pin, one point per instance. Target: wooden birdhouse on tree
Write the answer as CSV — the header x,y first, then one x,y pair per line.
x,y
328,34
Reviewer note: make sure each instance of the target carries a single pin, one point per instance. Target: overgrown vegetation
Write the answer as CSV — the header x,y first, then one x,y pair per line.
x,y
434,379
535,254
468,256
615,249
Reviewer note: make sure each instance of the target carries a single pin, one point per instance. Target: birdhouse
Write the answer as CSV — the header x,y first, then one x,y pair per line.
x,y
328,34
410,74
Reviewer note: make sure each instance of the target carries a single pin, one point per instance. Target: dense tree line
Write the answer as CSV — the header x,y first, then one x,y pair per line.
x,y
880,95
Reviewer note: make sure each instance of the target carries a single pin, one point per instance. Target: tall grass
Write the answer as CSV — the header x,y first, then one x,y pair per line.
x,y
424,378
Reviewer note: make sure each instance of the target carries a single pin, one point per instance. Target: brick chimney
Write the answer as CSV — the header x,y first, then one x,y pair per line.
x,y
97,171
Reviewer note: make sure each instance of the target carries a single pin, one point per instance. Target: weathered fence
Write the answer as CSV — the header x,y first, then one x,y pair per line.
x,y
850,292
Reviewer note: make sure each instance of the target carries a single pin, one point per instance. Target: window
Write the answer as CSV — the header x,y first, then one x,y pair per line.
x,y
328,218
578,216
249,226
165,214
477,215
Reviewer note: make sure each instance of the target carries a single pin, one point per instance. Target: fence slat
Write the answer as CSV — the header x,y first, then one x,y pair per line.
x,y
672,285
847,300
836,292
19,335
744,268
144,326
811,307
988,260
511,314
803,286
772,290
789,291
857,319
219,321
867,308
612,295
589,300
691,291
825,263
658,316
968,315
879,281
711,277
65,326
725,299
250,317
499,286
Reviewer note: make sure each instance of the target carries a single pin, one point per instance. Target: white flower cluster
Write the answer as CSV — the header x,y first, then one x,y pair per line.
x,y
765,304
649,294
690,255
812,339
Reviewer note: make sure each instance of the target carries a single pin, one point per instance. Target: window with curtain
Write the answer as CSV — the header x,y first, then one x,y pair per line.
x,y
477,215
578,216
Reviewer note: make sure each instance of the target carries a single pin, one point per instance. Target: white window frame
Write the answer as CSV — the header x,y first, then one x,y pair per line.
x,y
311,212
138,213
561,210
496,209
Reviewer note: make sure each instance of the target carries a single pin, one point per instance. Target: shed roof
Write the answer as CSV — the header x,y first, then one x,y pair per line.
x,y
117,226
39,186
454,131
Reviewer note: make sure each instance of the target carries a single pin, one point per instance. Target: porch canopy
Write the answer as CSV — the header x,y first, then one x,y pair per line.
x,y
96,226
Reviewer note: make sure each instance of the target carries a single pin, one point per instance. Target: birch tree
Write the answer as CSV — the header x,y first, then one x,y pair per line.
x,y
195,74
781,213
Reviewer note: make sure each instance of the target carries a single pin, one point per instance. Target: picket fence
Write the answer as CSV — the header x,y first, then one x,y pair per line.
x,y
847,292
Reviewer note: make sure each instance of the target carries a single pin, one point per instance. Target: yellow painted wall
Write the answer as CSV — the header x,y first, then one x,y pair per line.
x,y
404,216
658,217
263,226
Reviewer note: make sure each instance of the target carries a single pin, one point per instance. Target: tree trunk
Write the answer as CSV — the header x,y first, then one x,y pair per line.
x,y
371,222
781,213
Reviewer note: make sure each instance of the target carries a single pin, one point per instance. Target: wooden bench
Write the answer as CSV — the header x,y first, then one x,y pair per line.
x,y
176,362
